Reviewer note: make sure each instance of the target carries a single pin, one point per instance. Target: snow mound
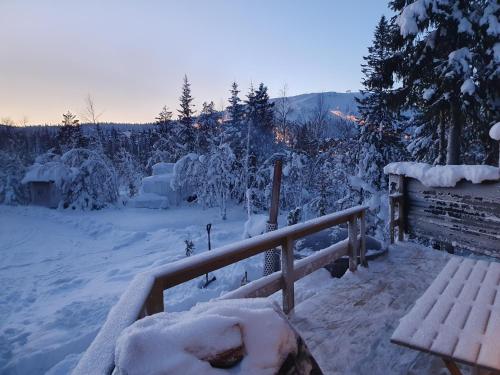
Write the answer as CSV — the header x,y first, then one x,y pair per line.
x,y
162,168
255,225
495,131
149,200
173,343
444,175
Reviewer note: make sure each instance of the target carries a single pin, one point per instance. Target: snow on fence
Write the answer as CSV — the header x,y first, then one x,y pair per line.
x,y
144,295
465,215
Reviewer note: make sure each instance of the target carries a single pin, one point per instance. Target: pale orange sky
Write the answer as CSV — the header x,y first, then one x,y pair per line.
x,y
131,55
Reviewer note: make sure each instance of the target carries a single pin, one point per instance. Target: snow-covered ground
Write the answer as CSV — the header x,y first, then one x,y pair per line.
x,y
61,271
347,324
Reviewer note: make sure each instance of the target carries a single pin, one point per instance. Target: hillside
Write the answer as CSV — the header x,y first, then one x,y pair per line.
x,y
338,104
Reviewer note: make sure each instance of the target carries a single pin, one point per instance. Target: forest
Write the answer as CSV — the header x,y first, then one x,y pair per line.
x,y
430,93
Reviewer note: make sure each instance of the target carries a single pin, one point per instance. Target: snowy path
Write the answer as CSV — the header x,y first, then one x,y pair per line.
x,y
348,324
61,272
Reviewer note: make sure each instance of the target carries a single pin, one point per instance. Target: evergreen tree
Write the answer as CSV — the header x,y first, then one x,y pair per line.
x,y
70,133
378,137
233,127
438,47
207,128
186,112
164,119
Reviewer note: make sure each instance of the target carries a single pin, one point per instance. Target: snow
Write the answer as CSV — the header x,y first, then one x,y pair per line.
x,y
354,317
428,93
495,131
444,175
162,168
468,87
169,343
62,271
52,171
441,323
255,225
156,191
407,20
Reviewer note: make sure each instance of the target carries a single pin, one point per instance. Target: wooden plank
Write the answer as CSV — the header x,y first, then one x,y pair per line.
x,y
353,248
466,216
362,249
288,275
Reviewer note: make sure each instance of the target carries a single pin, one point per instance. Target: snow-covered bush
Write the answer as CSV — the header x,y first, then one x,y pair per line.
x,y
92,183
12,170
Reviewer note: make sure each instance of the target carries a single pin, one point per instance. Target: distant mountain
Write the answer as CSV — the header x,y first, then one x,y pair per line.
x,y
338,104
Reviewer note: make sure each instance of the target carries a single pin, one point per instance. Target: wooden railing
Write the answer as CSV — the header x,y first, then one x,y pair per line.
x,y
144,295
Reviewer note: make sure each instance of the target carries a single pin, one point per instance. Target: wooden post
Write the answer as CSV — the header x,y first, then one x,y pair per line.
x,y
391,220
401,220
353,241
272,257
154,303
288,275
362,229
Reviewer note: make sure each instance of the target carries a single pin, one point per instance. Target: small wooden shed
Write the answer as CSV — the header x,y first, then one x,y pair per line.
x,y
44,181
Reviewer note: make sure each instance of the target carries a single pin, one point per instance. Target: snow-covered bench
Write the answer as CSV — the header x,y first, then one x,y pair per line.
x,y
458,316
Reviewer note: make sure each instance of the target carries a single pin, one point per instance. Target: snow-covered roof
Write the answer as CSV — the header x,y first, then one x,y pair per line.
x,y
52,171
444,175
495,131
162,168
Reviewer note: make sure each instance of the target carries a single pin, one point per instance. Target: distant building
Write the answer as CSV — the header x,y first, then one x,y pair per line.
x,y
44,181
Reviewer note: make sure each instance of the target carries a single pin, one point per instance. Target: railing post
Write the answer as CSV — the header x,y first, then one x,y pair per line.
x,y
353,241
154,303
401,181
288,277
362,229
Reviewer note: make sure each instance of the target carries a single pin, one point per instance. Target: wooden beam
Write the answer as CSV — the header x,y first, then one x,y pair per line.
x,y
288,275
452,367
362,249
353,241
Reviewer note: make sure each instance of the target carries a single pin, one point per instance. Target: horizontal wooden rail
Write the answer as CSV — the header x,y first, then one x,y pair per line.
x,y
144,295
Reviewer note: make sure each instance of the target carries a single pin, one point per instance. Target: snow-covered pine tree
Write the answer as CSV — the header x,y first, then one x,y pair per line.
x,y
487,75
437,47
233,127
379,138
166,146
186,112
207,129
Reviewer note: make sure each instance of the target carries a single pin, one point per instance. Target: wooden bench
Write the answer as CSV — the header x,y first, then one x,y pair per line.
x,y
458,316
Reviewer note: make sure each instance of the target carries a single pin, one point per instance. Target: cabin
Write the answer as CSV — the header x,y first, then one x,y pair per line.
x,y
44,182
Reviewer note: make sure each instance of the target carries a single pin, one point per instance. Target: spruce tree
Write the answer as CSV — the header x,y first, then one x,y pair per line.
x,y
233,127
378,134
437,46
70,133
186,112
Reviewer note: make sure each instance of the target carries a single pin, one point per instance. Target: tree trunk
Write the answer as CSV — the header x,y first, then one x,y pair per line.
x,y
455,135
442,141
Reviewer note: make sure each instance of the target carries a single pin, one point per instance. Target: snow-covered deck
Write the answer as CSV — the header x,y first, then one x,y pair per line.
x,y
348,324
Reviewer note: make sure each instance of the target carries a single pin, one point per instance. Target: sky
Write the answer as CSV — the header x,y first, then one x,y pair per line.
x,y
131,56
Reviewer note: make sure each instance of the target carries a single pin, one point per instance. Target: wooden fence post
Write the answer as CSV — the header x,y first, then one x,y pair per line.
x,y
362,229
154,303
272,257
288,275
353,244
401,220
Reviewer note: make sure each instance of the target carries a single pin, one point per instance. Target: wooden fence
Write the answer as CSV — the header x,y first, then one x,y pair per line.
x,y
466,216
144,295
